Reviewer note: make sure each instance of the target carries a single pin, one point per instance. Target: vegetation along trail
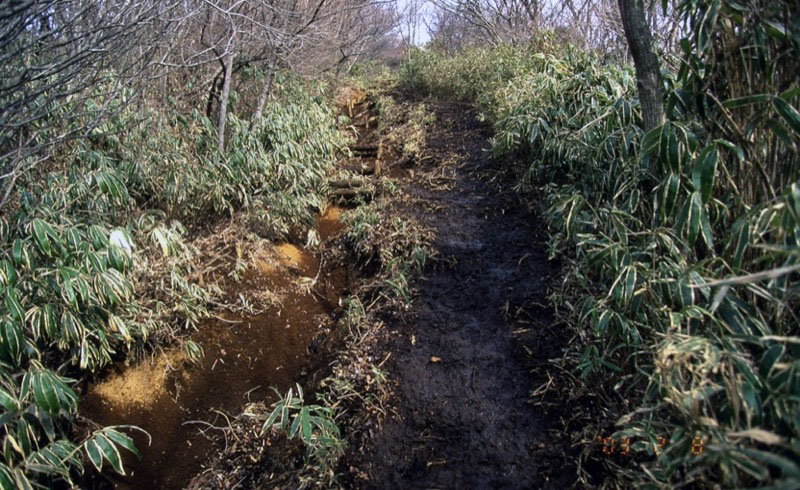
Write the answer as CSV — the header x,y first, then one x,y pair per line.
x,y
370,244
463,416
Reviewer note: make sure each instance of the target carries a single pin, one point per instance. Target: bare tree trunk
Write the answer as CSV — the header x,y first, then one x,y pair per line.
x,y
265,90
648,74
223,103
213,93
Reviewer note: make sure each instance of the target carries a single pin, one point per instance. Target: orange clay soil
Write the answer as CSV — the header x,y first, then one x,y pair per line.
x,y
176,401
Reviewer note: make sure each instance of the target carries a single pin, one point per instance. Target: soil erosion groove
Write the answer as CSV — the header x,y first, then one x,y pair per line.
x,y
179,403
463,416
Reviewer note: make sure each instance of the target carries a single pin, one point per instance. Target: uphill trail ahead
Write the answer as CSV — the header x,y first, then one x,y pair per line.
x,y
462,360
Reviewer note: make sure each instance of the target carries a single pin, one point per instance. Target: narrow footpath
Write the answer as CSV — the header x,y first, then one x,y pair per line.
x,y
462,360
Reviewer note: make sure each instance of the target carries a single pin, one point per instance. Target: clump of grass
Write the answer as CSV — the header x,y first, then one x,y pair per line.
x,y
312,424
398,248
404,126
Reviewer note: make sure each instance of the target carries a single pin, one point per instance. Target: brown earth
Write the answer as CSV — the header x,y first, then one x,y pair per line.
x,y
182,404
465,360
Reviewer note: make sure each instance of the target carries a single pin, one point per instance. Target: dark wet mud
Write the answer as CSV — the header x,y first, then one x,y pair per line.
x,y
462,361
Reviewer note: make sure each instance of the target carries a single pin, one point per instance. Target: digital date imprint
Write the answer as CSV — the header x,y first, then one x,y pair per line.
x,y
611,445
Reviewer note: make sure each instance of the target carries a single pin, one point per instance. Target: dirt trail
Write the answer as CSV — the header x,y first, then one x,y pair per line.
x,y
464,360
463,377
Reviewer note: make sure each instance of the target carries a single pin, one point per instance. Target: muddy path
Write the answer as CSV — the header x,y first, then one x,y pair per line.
x,y
471,406
464,360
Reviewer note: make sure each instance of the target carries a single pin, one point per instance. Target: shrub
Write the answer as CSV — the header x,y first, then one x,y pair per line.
x,y
683,241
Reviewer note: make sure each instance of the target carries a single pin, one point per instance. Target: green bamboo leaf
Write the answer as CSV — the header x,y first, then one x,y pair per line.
x,y
67,291
305,425
116,324
121,439
769,358
50,460
52,393
294,427
788,113
95,453
11,440
44,392
630,284
686,293
273,417
651,142
8,272
751,399
14,306
73,238
17,252
42,234
788,467
21,480
193,351
161,238
46,422
8,402
748,465
694,217
82,287
775,30
24,437
12,341
705,228
110,452
34,318
747,100
6,478
669,195
673,153
602,322
99,237
25,387
117,258
619,229
49,319
736,149
740,239
97,262
780,131
704,171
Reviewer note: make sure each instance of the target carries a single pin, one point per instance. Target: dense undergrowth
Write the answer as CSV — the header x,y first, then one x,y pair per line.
x,y
96,263
681,244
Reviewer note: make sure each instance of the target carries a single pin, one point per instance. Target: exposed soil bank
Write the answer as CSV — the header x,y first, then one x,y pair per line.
x,y
462,360
176,402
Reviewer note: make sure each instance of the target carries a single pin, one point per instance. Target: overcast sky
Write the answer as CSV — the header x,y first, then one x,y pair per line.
x,y
421,33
